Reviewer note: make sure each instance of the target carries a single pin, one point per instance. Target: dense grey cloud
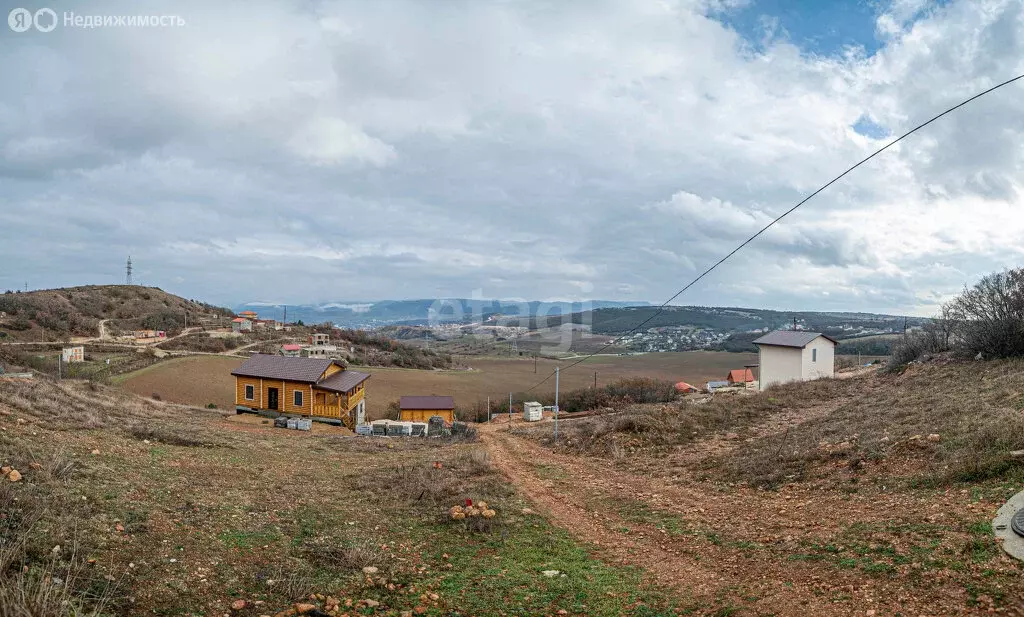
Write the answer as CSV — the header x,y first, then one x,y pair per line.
x,y
353,150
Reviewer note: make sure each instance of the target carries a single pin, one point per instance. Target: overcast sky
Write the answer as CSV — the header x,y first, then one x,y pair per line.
x,y
313,151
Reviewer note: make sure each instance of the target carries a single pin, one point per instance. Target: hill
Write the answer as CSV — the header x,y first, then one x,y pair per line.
x,y
867,495
683,328
165,509
78,311
354,314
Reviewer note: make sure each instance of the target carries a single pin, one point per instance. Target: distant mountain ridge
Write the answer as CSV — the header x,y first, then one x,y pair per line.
x,y
360,314
737,319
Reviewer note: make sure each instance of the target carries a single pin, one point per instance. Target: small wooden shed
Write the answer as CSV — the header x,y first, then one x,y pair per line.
x,y
421,408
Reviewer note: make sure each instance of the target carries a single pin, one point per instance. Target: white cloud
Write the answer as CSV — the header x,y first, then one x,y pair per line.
x,y
528,149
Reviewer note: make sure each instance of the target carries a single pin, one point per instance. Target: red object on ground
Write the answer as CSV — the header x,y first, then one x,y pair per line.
x,y
469,503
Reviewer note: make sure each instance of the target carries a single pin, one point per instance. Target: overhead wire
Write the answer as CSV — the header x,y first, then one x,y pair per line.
x,y
742,245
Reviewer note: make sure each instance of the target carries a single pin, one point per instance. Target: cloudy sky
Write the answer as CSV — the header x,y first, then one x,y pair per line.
x,y
314,151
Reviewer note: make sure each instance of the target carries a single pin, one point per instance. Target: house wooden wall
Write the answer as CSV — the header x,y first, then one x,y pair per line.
x,y
423,415
285,397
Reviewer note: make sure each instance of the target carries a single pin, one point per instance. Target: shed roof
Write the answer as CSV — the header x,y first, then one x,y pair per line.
x,y
306,370
291,347
239,319
791,338
742,375
343,381
427,402
682,386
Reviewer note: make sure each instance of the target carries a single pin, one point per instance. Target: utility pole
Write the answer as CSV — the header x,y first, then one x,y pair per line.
x,y
534,364
128,272
488,409
510,410
794,323
556,403
595,380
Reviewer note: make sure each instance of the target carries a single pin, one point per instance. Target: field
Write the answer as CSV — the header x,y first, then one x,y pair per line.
x,y
867,495
190,380
200,380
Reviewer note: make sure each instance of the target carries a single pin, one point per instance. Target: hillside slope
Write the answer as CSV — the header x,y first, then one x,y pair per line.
x,y
870,495
170,510
77,311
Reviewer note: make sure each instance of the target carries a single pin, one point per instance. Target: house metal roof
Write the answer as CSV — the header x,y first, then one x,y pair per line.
x,y
791,338
306,370
343,381
427,402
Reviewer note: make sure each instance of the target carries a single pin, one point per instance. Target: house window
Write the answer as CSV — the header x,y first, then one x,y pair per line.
x,y
298,398
249,393
814,355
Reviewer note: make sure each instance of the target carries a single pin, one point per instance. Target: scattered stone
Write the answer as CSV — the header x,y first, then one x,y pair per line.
x,y
434,597
419,609
527,511
302,608
1017,453
286,613
95,452
238,605
934,437
6,469
14,476
35,466
551,573
370,570
732,436
562,611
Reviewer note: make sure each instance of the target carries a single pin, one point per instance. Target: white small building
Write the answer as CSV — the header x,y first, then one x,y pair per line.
x,y
319,351
73,354
789,355
533,411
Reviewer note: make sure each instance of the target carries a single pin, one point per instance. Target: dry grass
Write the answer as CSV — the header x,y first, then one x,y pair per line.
x,y
422,484
657,428
340,554
973,408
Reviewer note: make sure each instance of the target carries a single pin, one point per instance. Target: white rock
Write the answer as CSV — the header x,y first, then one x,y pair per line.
x,y
551,573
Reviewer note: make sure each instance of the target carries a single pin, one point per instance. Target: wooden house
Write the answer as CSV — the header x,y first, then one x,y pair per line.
x,y
421,408
316,387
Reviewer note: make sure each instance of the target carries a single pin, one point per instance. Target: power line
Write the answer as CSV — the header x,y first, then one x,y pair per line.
x,y
661,308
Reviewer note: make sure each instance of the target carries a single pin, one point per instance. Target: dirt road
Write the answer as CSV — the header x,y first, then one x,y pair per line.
x,y
739,549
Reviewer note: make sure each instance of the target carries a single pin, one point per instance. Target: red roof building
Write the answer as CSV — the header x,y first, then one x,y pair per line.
x,y
740,375
682,386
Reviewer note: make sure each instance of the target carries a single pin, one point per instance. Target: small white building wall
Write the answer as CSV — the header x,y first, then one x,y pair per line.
x,y
825,365
778,365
